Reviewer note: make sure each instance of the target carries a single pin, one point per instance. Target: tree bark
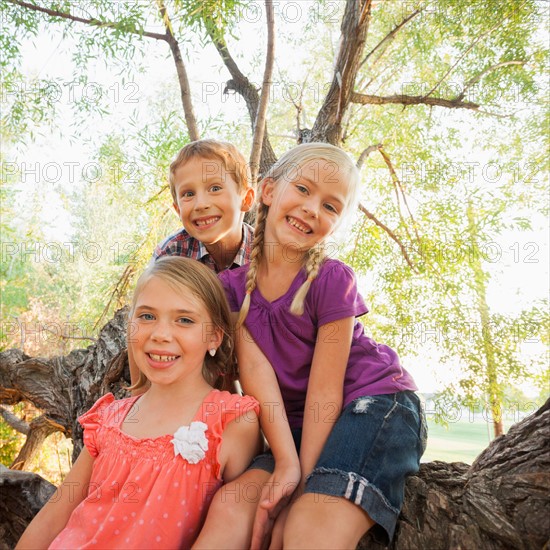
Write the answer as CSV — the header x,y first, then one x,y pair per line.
x,y
23,494
355,23
260,122
501,501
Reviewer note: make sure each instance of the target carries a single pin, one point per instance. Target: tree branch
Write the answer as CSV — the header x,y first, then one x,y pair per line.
x,y
68,336
391,35
354,28
365,154
392,235
87,21
399,189
259,126
366,99
190,119
13,421
240,84
39,429
466,52
474,80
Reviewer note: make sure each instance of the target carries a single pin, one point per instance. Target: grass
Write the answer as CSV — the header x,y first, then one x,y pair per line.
x,y
461,441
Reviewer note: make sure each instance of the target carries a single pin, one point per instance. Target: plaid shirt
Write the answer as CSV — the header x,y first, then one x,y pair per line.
x,y
182,244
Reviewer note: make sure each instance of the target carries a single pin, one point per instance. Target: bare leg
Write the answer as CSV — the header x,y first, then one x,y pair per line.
x,y
325,522
229,522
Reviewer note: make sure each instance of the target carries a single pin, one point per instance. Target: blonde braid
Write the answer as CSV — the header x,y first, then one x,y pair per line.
x,y
315,257
255,258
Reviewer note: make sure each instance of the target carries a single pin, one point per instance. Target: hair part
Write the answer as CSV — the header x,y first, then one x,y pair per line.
x,y
184,273
231,158
284,171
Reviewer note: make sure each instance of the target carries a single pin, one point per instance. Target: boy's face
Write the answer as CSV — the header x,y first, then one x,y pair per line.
x,y
209,202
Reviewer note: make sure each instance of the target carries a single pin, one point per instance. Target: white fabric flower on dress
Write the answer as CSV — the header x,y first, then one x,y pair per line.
x,y
190,442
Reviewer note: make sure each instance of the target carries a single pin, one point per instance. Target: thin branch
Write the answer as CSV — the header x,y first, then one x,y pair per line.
x,y
392,235
366,99
68,337
121,286
259,126
391,35
245,88
365,154
167,37
87,21
474,80
468,50
190,119
399,189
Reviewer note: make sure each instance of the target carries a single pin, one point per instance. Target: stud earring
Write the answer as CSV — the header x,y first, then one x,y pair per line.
x,y
212,352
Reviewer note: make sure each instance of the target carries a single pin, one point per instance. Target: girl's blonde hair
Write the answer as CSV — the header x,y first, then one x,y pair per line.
x,y
184,273
284,171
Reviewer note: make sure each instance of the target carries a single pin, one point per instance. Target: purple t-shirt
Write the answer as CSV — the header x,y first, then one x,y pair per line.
x,y
288,341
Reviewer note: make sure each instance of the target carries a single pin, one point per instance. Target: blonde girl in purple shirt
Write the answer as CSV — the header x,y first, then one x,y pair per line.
x,y
338,410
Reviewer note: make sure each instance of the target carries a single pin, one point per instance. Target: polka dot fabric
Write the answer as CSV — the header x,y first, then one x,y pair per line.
x,y
141,495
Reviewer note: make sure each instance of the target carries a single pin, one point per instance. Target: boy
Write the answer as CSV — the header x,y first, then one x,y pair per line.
x,y
211,190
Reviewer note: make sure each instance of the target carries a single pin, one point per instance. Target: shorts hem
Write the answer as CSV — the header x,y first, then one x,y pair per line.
x,y
356,489
264,462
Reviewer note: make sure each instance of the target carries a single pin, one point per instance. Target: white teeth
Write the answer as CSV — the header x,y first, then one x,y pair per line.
x,y
206,222
297,225
163,358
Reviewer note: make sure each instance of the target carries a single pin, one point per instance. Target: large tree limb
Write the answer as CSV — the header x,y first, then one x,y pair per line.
x,y
355,23
65,387
13,421
39,429
499,502
259,125
23,495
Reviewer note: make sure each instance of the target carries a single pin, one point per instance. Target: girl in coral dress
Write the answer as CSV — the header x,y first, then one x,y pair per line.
x,y
151,463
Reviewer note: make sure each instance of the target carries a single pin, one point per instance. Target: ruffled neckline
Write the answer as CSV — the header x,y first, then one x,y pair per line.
x,y
198,416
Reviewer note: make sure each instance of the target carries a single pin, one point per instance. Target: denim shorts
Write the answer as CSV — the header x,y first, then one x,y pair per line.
x,y
374,445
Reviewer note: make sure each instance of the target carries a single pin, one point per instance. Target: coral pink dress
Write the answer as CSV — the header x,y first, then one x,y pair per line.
x,y
141,493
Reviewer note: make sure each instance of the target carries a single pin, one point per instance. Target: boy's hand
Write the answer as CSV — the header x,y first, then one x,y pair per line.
x,y
276,495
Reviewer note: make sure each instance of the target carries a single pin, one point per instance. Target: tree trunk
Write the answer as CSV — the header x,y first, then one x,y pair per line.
x,y
501,501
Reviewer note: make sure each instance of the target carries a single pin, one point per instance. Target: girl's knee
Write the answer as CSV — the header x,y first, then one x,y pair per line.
x,y
325,521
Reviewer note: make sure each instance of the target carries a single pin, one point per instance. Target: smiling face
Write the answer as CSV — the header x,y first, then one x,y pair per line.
x,y
209,202
306,207
174,333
